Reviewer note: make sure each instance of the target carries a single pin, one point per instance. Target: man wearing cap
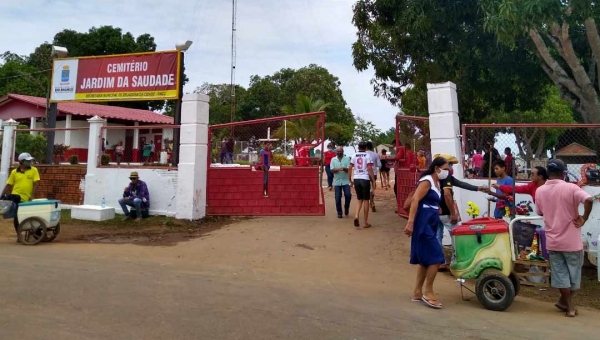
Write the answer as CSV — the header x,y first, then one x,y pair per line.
x,y
558,202
449,215
135,195
22,183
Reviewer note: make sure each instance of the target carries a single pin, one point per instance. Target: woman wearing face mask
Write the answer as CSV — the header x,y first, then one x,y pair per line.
x,y
423,222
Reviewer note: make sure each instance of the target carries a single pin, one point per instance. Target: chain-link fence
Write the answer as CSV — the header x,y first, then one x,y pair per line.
x,y
295,140
524,146
150,145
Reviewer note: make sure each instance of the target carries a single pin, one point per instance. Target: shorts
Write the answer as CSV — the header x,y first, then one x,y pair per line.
x,y
565,269
363,189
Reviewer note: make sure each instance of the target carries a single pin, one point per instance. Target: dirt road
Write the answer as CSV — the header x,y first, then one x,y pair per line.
x,y
267,278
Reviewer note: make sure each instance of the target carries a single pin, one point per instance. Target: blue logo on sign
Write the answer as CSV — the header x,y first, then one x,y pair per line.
x,y
65,75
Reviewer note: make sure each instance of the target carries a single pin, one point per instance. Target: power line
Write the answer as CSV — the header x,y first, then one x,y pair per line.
x,y
25,74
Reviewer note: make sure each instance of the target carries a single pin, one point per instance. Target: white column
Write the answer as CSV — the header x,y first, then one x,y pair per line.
x,y
444,125
94,147
105,132
68,132
136,136
8,143
32,125
192,168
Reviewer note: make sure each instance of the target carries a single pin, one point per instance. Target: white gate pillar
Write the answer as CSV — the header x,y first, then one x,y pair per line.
x,y
94,147
444,124
8,151
193,155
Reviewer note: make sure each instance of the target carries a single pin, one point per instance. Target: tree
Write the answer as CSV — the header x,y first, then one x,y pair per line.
x,y
566,40
387,137
365,131
306,128
220,102
34,69
268,95
410,43
534,143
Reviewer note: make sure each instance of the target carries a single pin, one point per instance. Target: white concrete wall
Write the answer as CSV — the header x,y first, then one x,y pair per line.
x,y
110,182
115,136
79,138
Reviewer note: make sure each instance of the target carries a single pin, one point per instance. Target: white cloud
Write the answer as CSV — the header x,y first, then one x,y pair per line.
x,y
272,34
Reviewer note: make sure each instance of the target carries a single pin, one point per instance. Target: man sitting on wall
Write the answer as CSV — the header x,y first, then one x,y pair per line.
x,y
136,195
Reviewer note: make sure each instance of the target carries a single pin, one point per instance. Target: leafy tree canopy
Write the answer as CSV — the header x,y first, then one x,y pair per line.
x,y
565,37
410,43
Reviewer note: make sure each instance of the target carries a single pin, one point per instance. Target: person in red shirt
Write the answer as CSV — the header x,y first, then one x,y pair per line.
x,y
509,162
328,156
539,176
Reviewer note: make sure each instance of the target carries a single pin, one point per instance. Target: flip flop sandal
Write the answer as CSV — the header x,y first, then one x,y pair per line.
x,y
431,303
570,314
416,300
356,223
367,226
561,308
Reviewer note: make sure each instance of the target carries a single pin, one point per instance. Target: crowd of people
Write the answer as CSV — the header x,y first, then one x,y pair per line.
x,y
432,209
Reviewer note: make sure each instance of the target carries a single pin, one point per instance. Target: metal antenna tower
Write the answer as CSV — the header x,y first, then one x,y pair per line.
x,y
233,55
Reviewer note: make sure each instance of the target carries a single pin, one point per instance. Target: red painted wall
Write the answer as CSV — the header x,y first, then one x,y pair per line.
x,y
406,180
239,191
82,154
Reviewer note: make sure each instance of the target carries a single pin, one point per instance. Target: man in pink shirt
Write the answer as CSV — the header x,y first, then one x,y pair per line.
x,y
477,161
558,202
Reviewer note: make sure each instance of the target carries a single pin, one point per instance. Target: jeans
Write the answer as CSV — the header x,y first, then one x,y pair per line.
x,y
446,224
16,199
329,176
136,202
338,198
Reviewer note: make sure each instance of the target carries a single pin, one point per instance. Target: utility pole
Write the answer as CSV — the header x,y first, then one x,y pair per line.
x,y
233,57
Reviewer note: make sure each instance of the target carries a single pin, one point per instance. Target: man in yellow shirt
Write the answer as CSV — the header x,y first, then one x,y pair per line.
x,y
22,183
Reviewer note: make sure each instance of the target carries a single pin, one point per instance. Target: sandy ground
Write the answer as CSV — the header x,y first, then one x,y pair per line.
x,y
263,278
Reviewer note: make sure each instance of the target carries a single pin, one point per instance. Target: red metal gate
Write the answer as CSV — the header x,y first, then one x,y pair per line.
x,y
412,135
236,187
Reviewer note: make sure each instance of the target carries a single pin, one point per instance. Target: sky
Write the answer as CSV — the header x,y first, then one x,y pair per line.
x,y
272,34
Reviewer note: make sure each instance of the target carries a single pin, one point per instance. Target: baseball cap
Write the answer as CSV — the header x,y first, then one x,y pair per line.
x,y
556,164
25,157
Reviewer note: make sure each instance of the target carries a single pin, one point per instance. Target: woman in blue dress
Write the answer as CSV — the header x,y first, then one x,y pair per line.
x,y
422,224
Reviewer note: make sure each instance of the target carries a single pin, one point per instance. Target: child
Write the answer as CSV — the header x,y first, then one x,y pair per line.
x,y
503,179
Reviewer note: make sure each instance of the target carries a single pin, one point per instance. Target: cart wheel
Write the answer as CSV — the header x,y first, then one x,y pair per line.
x,y
516,283
51,234
494,290
31,231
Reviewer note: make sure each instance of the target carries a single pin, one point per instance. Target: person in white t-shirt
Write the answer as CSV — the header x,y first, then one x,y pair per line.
x,y
362,178
376,162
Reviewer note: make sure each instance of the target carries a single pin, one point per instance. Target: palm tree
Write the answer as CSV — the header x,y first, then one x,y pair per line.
x,y
306,128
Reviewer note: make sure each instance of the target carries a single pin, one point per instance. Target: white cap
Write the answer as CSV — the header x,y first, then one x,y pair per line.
x,y
25,157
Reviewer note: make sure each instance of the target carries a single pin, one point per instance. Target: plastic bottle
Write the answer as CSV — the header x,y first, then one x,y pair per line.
x,y
103,202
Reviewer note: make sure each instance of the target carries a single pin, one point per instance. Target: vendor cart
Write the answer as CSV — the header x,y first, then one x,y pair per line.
x,y
39,221
485,251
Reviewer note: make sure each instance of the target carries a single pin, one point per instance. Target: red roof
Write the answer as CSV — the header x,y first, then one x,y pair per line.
x,y
91,110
